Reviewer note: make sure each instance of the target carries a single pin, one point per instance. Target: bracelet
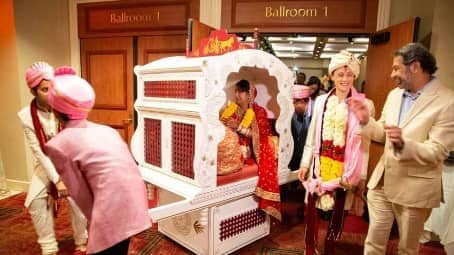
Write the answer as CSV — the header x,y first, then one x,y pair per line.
x,y
243,131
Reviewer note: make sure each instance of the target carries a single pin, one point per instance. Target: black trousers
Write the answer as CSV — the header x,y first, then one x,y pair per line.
x,y
120,248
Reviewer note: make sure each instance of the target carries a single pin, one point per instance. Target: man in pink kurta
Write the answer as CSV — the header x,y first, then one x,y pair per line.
x,y
97,168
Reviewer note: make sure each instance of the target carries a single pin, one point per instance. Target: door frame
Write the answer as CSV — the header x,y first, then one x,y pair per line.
x,y
384,9
74,43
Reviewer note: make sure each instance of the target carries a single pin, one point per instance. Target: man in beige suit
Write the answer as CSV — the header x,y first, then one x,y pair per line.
x,y
417,129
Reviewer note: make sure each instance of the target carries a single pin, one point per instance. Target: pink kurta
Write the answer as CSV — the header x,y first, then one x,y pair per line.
x,y
103,179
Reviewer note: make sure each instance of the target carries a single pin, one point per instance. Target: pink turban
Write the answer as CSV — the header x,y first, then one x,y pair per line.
x,y
344,58
301,91
37,72
70,94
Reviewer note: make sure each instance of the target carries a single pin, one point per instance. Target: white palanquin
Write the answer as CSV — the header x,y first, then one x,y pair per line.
x,y
179,100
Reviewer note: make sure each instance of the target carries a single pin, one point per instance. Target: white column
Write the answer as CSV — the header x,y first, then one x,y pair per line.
x,y
210,12
384,9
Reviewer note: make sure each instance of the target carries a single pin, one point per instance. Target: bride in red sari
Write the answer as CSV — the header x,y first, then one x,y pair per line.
x,y
250,122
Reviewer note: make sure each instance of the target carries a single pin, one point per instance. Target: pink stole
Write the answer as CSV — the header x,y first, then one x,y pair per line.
x,y
353,163
353,155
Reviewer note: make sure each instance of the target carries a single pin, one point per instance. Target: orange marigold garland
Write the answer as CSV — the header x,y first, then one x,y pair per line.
x,y
333,145
248,116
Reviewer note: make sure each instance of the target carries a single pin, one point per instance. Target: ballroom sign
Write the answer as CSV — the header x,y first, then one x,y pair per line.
x,y
141,17
300,16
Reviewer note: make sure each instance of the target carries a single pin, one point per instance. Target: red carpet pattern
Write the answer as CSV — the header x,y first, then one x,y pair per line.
x,y
18,236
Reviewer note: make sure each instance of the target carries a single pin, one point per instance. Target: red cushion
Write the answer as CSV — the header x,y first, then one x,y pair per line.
x,y
247,171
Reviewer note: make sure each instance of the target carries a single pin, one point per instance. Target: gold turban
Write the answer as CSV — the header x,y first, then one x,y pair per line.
x,y
344,58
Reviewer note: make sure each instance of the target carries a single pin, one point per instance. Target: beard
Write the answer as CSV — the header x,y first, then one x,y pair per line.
x,y
401,83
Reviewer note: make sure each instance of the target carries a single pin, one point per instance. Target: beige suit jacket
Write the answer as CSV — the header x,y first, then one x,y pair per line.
x,y
412,177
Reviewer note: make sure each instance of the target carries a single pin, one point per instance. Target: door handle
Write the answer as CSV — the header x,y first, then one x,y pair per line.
x,y
127,121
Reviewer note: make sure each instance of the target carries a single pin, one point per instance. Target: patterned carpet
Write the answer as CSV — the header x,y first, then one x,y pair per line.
x,y
18,236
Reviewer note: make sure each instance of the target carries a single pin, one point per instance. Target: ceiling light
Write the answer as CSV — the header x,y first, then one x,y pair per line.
x,y
337,39
303,39
361,40
286,48
249,39
356,49
286,55
274,38
327,55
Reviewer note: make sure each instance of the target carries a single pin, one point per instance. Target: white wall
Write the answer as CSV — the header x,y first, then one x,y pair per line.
x,y
41,33
11,137
436,26
402,10
210,12
442,42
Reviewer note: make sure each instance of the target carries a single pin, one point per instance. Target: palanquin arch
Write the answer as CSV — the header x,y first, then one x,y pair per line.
x,y
176,140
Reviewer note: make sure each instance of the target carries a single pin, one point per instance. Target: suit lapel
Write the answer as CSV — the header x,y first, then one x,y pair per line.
x,y
393,119
421,103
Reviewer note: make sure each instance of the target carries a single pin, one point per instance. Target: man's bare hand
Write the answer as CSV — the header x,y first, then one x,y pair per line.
x,y
394,135
61,188
359,108
302,174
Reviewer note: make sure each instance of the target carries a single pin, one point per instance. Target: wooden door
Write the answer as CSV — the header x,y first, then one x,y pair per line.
x,y
151,48
379,62
107,63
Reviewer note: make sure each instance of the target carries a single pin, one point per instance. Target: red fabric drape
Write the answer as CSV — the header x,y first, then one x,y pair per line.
x,y
268,183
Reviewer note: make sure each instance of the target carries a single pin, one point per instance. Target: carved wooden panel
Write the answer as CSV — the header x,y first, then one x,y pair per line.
x,y
151,48
135,17
107,64
335,16
110,89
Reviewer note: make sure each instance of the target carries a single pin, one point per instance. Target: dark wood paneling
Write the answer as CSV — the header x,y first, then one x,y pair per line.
x,y
151,48
121,18
379,66
335,16
107,63
198,32
115,64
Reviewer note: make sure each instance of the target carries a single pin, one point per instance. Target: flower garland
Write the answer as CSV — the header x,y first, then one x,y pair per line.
x,y
326,202
248,117
333,139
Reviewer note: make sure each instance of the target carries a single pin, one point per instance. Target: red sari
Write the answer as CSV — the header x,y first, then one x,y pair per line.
x,y
264,150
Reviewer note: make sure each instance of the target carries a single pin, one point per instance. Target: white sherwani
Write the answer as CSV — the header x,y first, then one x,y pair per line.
x,y
44,173
44,170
